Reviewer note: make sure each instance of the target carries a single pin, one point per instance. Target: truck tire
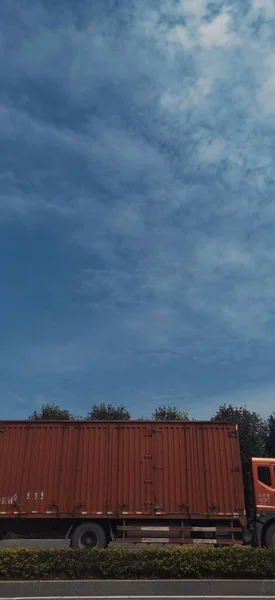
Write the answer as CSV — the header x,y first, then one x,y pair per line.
x,y
89,535
269,538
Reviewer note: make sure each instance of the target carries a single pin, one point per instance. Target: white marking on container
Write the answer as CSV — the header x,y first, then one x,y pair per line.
x,y
16,512
203,529
3,512
48,512
204,541
99,513
138,512
125,512
109,512
34,512
84,512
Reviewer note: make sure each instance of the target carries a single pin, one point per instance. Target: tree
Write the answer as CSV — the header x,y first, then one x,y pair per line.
x,y
108,412
252,429
169,413
270,436
51,412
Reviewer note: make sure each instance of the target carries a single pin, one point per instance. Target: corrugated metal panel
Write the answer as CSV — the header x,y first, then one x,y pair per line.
x,y
198,469
115,468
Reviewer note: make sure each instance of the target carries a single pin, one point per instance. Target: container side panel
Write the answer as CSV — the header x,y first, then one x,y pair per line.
x,y
223,470
135,469
180,468
238,486
12,452
61,500
35,452
179,478
112,471
95,451
198,490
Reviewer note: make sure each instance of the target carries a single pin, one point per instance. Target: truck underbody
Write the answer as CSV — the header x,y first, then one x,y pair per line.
x,y
100,532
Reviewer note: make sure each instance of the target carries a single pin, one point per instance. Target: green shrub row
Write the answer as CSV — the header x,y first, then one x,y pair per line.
x,y
148,563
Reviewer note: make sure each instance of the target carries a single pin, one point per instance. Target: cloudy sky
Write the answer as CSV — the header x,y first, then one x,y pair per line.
x,y
137,204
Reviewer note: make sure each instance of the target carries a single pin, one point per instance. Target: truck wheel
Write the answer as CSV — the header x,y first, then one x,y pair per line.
x,y
269,537
89,535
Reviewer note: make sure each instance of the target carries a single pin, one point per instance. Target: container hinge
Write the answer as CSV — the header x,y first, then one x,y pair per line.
x,y
148,456
233,434
185,507
55,507
148,481
2,429
157,467
235,469
156,430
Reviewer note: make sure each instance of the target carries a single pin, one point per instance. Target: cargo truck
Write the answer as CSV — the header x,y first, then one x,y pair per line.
x,y
96,482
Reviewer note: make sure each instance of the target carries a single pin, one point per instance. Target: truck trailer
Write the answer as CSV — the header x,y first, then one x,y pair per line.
x,y
143,482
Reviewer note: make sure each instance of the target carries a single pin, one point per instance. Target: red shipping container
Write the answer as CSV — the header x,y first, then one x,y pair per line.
x,y
106,469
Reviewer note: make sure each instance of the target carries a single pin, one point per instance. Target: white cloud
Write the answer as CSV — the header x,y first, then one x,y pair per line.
x,y
266,7
180,35
218,33
193,8
212,34
213,151
266,92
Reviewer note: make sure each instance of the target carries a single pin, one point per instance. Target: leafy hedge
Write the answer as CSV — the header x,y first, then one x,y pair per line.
x,y
148,563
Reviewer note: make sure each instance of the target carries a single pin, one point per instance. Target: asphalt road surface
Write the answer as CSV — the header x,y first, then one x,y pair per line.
x,y
142,598
138,590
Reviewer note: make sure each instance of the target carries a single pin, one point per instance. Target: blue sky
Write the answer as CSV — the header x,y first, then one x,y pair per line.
x,y
137,204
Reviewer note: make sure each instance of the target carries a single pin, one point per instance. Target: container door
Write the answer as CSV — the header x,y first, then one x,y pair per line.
x,y
179,473
94,469
134,470
37,483
224,485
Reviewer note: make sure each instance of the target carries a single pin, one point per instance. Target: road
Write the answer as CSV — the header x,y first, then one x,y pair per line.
x,y
141,598
138,590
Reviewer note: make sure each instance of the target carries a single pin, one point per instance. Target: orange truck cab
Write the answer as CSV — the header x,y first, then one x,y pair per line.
x,y
259,484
